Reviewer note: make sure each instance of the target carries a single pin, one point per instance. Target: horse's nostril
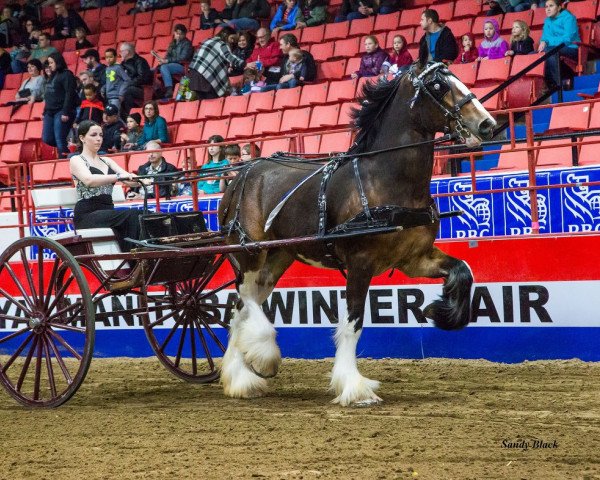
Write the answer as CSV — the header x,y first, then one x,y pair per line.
x,y
486,127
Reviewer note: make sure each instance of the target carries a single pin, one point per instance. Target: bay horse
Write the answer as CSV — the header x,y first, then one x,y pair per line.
x,y
394,150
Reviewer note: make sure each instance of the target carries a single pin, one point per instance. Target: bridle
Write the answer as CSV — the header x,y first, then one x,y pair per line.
x,y
436,88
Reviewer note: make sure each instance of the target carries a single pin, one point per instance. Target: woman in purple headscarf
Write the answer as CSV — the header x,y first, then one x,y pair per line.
x,y
492,46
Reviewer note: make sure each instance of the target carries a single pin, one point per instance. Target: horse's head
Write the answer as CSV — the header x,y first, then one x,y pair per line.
x,y
449,105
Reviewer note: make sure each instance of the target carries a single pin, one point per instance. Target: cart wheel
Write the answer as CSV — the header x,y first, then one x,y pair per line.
x,y
47,309
185,324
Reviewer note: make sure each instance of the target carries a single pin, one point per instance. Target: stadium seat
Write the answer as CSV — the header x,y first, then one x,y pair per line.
x,y
269,147
445,11
125,35
201,35
466,72
352,65
23,114
241,127
2,130
37,111
335,142
42,172
7,95
125,21
314,94
261,102
539,16
162,15
312,35
215,127
520,62
324,116
341,90
494,103
335,31
558,156
186,111
62,172
13,81
345,48
180,11
408,33
345,110
588,154
380,39
267,123
583,10
287,98
161,29
5,112
509,18
466,8
411,17
10,153
521,93
107,40
510,160
567,117
167,111
136,160
162,43
212,108
310,143
460,26
144,45
190,133
295,119
235,105
362,26
15,132
144,18
385,23
322,52
493,71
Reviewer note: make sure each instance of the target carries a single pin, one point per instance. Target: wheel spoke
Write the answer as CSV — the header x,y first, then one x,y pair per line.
x,y
60,293
27,362
4,316
71,328
29,276
163,318
38,370
214,318
51,285
26,296
193,347
181,342
64,344
205,345
170,335
208,275
213,335
14,301
17,353
49,366
66,309
13,335
216,290
40,266
60,360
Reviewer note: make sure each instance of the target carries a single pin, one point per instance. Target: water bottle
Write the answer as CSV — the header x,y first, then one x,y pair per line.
x,y
183,89
259,64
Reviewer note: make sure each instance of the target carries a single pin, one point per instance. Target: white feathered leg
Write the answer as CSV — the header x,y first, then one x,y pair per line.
x,y
347,383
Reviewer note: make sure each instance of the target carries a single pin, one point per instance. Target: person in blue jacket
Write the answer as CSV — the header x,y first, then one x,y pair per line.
x,y
155,126
287,16
560,27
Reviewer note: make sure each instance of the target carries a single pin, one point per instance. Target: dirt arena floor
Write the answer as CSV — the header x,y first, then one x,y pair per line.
x,y
440,420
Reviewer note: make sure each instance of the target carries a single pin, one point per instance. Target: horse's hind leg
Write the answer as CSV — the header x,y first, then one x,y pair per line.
x,y
252,354
350,387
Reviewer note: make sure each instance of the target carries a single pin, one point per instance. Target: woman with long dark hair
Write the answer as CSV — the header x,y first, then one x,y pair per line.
x,y
94,178
216,159
61,101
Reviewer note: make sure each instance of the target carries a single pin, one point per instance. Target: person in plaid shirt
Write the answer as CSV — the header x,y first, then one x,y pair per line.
x,y
210,66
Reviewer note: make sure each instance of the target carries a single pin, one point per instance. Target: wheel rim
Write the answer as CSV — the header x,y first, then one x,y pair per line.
x,y
186,327
48,317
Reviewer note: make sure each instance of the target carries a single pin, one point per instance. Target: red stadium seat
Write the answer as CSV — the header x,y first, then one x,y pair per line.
x,y
269,147
125,35
15,132
162,28
7,95
362,26
345,48
334,31
335,142
313,34
466,72
212,108
295,119
324,116
13,81
241,127
162,15
510,18
521,93
202,35
311,143
561,155
493,71
322,51
62,172
595,117
267,123
42,173
466,8
411,17
189,133
144,18
521,61
583,10
445,11
34,130
261,102
341,90
314,94
10,153
180,11
215,127
107,40
37,111
460,26
143,32
569,117
186,111
162,43
125,21
287,98
509,160
588,155
494,103
236,105
5,113
23,114
352,65
385,23
345,111
2,130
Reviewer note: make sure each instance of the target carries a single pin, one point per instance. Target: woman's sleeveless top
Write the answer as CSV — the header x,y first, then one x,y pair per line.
x,y
84,192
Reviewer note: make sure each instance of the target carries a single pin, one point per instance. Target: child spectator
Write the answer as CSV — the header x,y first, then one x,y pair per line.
x,y
467,53
129,139
252,81
209,17
492,46
520,41
242,50
286,16
216,159
112,128
82,41
233,156
294,72
117,79
248,153
372,60
155,126
399,58
91,107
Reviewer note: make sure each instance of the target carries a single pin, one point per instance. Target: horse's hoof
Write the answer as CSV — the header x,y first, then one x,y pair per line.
x,y
369,402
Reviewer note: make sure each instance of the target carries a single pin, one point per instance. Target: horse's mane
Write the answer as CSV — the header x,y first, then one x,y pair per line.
x,y
367,118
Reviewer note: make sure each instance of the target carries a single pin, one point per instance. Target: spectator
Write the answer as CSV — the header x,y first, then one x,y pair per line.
x,y
560,27
286,16
520,41
372,61
10,29
66,21
438,41
129,139
91,59
400,57
209,17
89,4
266,51
293,74
227,13
232,40
355,9
41,53
388,6
179,54
156,165
82,41
287,42
233,156
31,89
216,159
139,74
32,32
499,7
242,50
116,79
4,63
251,81
85,78
155,126
492,46
91,107
61,102
148,5
247,14
209,67
314,13
248,153
468,53
112,128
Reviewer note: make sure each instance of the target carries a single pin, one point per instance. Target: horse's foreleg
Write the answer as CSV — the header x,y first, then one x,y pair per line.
x,y
453,309
350,387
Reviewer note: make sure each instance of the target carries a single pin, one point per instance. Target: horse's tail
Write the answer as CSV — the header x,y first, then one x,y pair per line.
x,y
453,310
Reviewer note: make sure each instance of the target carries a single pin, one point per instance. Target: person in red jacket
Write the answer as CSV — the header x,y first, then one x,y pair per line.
x,y
266,52
400,58
91,107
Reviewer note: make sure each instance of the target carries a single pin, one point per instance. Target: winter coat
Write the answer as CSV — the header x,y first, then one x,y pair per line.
x,y
90,110
270,54
370,63
138,70
561,29
252,9
61,94
180,52
154,130
294,16
116,82
445,48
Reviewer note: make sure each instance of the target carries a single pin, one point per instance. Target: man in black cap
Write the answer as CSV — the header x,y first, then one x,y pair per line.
x,y
91,58
112,129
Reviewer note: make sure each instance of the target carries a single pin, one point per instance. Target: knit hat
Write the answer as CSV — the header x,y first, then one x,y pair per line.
x,y
136,116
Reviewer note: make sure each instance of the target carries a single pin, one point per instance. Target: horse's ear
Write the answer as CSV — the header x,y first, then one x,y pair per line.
x,y
423,56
